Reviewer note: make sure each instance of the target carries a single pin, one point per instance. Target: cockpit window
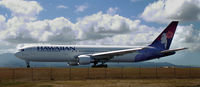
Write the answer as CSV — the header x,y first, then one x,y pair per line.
x,y
21,50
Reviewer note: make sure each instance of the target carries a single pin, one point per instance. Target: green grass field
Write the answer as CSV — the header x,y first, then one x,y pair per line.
x,y
108,83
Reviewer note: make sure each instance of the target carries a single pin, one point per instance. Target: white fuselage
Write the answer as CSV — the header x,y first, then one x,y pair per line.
x,y
68,53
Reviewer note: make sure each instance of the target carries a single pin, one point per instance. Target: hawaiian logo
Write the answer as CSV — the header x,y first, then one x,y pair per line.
x,y
47,48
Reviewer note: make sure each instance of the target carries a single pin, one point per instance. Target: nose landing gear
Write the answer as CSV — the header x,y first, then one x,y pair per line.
x,y
27,64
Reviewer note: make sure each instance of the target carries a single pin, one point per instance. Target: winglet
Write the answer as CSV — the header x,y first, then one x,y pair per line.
x,y
163,41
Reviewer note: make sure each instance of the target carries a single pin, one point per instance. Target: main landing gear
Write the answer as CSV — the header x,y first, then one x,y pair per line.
x,y
102,65
27,64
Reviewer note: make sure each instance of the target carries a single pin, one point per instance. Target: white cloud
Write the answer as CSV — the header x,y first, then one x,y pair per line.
x,y
187,36
21,8
2,18
2,22
163,11
54,30
62,6
112,11
81,8
101,25
98,28
136,38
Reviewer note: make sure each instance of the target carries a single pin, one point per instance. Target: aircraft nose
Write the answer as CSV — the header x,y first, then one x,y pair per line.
x,y
17,54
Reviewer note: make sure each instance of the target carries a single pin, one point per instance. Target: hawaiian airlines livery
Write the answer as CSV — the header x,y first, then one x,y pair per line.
x,y
82,55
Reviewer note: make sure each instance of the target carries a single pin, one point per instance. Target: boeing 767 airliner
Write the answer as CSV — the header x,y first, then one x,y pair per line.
x,y
82,55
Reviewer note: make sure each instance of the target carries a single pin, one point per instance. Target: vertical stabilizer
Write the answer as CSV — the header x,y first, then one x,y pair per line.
x,y
163,41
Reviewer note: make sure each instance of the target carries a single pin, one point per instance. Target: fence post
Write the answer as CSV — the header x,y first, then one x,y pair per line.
x,y
190,72
32,74
13,74
88,73
70,73
105,73
51,74
156,71
66,77
140,71
122,72
174,71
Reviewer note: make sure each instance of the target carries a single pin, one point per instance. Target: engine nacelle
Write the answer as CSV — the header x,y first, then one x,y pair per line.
x,y
84,59
73,63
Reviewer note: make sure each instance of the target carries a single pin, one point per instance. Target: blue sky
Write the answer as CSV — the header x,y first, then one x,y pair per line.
x,y
94,6
100,22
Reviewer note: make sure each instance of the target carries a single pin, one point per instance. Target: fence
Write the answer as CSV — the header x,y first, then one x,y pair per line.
x,y
35,74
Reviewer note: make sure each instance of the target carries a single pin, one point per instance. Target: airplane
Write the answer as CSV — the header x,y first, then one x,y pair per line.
x,y
83,54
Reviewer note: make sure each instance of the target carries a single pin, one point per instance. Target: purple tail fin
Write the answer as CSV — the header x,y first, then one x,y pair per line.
x,y
163,41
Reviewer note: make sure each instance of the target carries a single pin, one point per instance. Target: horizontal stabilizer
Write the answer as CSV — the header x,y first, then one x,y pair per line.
x,y
173,50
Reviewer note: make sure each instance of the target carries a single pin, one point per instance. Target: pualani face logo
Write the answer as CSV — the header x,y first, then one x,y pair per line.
x,y
169,34
164,40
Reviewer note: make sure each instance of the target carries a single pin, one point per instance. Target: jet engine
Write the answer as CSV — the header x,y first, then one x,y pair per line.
x,y
84,59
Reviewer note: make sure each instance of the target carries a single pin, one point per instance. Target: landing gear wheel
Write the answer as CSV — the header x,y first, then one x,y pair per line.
x,y
100,66
95,64
27,64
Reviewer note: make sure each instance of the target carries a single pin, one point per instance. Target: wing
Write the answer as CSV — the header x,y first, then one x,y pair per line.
x,y
110,54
